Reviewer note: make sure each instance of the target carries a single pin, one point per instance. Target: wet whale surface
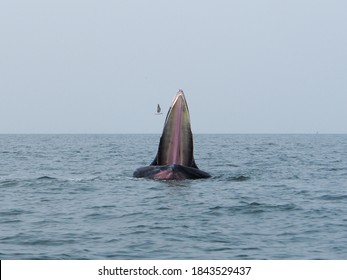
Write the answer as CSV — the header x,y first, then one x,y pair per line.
x,y
174,159
170,172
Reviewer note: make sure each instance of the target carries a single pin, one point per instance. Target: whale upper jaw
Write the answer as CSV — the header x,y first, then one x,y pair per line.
x,y
174,159
176,142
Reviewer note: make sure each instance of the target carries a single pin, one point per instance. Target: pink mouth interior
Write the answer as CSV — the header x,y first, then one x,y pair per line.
x,y
177,134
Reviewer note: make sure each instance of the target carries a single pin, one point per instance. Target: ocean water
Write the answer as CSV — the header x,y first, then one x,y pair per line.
x,y
269,197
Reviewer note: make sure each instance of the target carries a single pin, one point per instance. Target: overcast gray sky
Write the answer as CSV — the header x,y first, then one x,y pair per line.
x,y
256,66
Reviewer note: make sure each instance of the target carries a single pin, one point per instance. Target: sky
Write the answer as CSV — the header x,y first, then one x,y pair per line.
x,y
246,66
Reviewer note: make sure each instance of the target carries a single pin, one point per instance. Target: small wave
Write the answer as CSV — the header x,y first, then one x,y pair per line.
x,y
272,144
240,178
131,214
243,256
219,249
46,242
90,179
251,208
113,240
11,221
8,183
67,179
163,208
231,165
333,197
14,212
268,207
250,249
46,178
103,207
237,178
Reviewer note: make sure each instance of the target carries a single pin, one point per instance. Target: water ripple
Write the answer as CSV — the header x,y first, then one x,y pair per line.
x,y
270,197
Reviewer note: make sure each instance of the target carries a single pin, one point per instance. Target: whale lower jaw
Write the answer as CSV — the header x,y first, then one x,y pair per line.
x,y
170,172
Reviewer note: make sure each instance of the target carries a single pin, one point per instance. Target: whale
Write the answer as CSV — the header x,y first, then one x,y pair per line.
x,y
174,159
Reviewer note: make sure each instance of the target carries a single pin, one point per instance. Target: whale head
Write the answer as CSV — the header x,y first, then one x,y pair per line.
x,y
176,142
174,159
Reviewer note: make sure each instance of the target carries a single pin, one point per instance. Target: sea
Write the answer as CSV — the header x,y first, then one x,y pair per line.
x,y
277,197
